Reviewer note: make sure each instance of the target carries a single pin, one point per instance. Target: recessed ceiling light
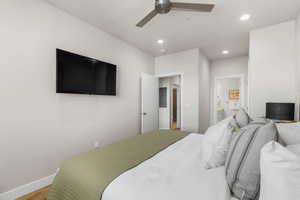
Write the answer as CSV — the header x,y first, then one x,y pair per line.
x,y
225,52
245,17
160,41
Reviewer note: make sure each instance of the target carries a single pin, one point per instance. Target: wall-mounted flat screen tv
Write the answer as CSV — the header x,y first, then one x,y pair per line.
x,y
82,75
280,111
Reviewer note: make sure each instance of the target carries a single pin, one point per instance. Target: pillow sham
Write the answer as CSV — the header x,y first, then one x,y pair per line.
x,y
242,163
280,172
242,118
260,121
215,142
289,133
218,156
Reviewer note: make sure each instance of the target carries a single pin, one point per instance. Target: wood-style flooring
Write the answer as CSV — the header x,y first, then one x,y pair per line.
x,y
174,126
37,195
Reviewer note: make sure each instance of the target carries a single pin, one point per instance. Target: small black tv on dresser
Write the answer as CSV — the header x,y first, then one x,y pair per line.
x,y
82,75
280,111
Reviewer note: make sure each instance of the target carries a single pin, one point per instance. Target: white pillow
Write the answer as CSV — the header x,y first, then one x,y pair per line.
x,y
216,143
242,118
289,132
219,154
280,172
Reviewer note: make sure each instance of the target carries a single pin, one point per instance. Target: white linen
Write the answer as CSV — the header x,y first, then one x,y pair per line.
x,y
280,172
176,173
216,143
289,132
295,148
218,157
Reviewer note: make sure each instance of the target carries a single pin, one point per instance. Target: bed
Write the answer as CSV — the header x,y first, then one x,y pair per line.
x,y
158,165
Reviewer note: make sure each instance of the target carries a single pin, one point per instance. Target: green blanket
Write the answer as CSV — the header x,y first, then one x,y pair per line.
x,y
86,176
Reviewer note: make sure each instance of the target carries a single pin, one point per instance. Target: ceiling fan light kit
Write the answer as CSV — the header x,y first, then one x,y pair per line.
x,y
165,6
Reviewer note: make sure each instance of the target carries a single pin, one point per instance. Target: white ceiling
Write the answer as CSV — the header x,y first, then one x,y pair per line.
x,y
181,30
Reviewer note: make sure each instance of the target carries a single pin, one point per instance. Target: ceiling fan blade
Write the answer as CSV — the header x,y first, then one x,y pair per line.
x,y
150,16
193,6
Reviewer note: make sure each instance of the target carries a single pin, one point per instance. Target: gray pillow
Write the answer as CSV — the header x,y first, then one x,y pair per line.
x,y
242,118
259,121
242,163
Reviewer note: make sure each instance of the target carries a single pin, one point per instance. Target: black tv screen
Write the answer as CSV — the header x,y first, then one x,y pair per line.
x,y
280,111
82,75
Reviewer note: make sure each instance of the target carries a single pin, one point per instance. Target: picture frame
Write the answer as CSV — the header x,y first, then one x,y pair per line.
x,y
234,94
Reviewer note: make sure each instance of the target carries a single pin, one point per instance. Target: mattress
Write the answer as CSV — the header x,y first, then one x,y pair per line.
x,y
176,173
85,176
159,165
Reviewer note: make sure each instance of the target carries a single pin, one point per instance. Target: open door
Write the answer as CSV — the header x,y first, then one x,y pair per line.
x,y
150,91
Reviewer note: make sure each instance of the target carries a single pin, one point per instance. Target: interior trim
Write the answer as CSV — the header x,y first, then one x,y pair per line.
x,y
27,188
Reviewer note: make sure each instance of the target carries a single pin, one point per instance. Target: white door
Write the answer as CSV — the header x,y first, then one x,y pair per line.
x,y
149,109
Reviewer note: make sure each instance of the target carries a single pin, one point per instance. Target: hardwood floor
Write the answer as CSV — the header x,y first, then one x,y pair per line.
x,y
37,195
174,126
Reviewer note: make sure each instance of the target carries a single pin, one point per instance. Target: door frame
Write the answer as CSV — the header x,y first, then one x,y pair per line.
x,y
242,92
181,92
178,104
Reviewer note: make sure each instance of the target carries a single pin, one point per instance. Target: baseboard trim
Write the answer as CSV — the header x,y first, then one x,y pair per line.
x,y
27,188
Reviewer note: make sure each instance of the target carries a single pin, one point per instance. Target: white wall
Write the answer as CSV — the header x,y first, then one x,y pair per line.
x,y
204,92
228,67
272,66
189,63
297,71
39,128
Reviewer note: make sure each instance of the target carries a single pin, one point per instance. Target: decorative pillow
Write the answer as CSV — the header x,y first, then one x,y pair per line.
x,y
289,133
242,163
242,118
216,143
260,121
218,156
280,172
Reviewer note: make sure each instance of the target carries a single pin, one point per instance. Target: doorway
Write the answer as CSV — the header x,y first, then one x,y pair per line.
x,y
229,96
170,102
174,109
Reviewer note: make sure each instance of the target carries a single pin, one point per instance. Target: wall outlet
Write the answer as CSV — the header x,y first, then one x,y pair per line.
x,y
96,144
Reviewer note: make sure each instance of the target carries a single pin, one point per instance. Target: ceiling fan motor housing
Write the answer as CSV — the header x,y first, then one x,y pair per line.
x,y
162,6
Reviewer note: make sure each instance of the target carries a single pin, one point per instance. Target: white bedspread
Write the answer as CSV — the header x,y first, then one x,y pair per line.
x,y
173,174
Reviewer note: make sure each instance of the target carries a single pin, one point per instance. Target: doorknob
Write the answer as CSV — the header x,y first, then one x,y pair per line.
x,y
144,113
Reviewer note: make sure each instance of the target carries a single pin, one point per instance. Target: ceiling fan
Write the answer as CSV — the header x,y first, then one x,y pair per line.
x,y
164,6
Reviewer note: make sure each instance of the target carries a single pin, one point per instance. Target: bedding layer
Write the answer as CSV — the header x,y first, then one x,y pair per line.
x,y
176,173
86,176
